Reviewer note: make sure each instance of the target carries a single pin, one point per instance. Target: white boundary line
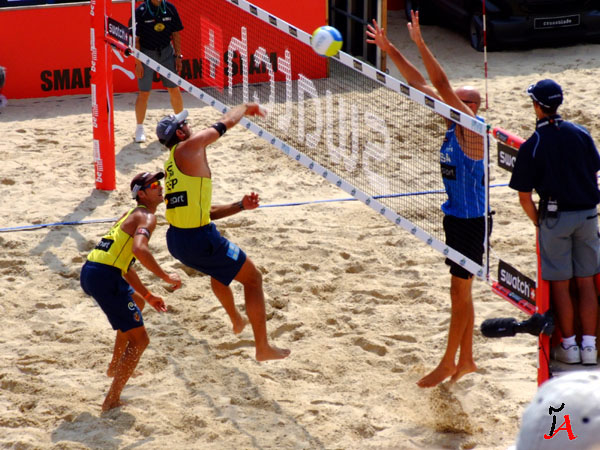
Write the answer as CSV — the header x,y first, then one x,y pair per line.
x,y
315,167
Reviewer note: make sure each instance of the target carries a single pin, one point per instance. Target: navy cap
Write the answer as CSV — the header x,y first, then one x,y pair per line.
x,y
168,125
547,93
143,179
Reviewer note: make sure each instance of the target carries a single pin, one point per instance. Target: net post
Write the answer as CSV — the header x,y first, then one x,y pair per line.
x,y
542,303
102,99
485,61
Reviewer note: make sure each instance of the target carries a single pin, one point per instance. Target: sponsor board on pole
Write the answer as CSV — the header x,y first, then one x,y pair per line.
x,y
515,287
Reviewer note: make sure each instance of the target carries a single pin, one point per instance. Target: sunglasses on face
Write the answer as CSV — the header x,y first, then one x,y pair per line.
x,y
182,124
153,185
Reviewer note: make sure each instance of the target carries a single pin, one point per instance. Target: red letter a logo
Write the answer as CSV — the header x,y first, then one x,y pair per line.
x,y
566,426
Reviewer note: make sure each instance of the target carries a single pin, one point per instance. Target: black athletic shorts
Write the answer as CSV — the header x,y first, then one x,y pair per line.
x,y
466,236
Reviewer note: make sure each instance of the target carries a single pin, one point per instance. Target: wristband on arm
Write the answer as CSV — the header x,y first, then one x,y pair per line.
x,y
148,295
220,127
144,231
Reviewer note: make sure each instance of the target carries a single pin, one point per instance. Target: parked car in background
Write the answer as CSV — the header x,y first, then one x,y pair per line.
x,y
512,23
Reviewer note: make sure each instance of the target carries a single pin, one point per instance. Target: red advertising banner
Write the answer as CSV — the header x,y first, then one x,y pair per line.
x,y
307,17
46,49
256,47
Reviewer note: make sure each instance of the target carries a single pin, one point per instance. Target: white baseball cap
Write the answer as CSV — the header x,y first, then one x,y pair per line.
x,y
575,394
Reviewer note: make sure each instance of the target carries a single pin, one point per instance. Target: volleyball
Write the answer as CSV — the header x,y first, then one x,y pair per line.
x,y
326,41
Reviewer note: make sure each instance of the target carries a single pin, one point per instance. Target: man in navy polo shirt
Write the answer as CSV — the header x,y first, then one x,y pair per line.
x,y
561,162
157,35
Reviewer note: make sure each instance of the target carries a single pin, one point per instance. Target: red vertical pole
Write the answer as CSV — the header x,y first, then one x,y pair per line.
x,y
102,99
542,301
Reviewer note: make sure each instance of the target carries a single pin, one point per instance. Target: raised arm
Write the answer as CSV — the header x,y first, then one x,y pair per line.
x,y
410,73
231,118
436,73
190,154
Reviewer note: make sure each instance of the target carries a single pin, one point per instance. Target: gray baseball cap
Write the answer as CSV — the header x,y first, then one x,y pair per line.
x,y
168,125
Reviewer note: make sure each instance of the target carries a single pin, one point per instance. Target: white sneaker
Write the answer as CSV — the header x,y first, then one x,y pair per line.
x,y
140,136
569,355
589,355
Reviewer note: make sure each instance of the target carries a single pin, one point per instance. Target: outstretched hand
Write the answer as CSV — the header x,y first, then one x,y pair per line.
x,y
156,302
254,109
250,201
377,36
174,282
414,29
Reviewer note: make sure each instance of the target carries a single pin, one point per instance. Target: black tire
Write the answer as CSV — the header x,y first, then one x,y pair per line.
x,y
476,32
426,15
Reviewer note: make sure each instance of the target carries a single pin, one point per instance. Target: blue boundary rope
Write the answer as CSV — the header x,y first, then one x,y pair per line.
x,y
272,205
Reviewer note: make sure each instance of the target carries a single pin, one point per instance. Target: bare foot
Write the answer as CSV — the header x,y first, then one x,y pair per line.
x,y
271,353
110,404
462,370
239,325
435,377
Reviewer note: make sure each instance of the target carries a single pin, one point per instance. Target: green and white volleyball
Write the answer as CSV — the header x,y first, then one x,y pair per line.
x,y
326,41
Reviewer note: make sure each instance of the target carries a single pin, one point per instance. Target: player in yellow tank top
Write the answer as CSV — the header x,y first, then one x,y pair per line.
x,y
115,247
193,239
188,199
108,276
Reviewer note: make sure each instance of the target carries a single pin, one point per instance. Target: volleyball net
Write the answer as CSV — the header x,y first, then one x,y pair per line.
x,y
367,133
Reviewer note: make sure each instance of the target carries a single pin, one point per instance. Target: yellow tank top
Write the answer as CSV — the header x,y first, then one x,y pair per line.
x,y
188,199
114,249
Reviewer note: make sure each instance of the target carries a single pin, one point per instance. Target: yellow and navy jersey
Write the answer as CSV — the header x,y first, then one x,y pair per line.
x,y
187,198
115,247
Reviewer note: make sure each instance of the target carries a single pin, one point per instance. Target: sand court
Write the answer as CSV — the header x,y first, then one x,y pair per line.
x,y
362,304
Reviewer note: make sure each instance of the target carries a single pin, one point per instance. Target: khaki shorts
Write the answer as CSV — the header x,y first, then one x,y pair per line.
x,y
569,245
165,57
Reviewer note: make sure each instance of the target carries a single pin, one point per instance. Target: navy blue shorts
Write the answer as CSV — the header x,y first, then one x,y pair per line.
x,y
204,249
113,295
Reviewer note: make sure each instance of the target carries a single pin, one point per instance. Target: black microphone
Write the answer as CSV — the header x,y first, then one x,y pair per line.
x,y
496,328
535,325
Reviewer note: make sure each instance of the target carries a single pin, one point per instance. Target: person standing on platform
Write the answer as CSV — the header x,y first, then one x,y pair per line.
x,y
560,161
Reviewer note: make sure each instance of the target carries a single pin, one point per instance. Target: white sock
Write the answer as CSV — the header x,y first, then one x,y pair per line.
x,y
140,126
588,341
568,341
